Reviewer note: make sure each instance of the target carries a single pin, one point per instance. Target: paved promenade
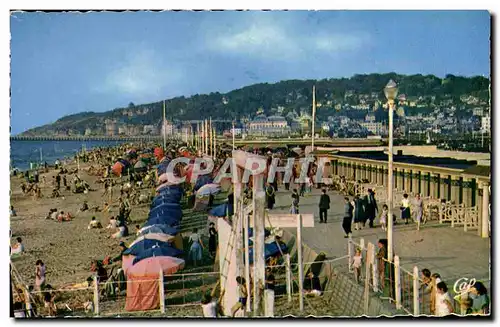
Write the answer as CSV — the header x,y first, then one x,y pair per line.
x,y
451,252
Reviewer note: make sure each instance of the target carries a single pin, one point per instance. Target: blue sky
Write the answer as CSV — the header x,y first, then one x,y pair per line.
x,y
63,63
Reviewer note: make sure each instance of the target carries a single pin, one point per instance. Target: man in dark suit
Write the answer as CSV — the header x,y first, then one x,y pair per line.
x,y
324,205
370,207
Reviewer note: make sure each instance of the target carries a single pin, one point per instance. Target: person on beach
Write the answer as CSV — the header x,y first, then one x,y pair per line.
x,y
122,232
12,212
444,302
270,199
383,217
269,293
324,205
419,210
405,208
17,248
347,220
196,249
295,202
94,223
357,262
312,285
371,208
242,296
426,279
84,206
435,280
58,181
65,182
212,240
112,223
119,257
39,275
359,213
212,308
480,299
381,257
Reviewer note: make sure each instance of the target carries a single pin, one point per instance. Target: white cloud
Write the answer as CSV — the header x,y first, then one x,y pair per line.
x,y
141,74
268,39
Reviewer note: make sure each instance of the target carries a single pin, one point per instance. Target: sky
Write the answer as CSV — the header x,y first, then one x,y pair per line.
x,y
64,63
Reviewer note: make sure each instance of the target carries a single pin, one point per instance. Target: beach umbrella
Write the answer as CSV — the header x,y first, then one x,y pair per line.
x,y
159,228
158,153
298,150
144,245
153,265
165,199
162,167
117,168
158,251
208,189
140,164
166,205
270,250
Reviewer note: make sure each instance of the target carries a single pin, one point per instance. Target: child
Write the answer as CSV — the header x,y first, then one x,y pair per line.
x,y
17,248
13,212
210,306
112,223
242,296
356,263
94,223
384,216
443,300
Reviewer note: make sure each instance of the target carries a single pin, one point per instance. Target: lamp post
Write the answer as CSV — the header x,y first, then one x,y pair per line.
x,y
391,91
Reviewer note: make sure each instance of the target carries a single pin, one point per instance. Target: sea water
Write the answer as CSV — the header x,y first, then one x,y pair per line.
x,y
22,153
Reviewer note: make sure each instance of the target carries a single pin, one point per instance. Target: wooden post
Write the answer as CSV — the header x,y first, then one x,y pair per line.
x,y
485,215
397,281
368,260
162,292
234,148
288,277
259,261
210,142
96,296
350,252
299,262
374,267
214,152
247,254
416,287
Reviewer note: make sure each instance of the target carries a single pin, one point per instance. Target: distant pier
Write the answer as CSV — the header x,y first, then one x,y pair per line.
x,y
342,142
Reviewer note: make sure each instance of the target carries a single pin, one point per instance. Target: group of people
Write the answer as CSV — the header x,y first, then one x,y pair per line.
x,y
474,302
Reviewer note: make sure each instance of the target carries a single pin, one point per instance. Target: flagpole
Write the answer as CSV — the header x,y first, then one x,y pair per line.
x,y
233,137
313,116
164,129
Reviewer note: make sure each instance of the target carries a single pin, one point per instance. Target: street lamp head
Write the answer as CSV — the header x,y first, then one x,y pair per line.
x,y
391,90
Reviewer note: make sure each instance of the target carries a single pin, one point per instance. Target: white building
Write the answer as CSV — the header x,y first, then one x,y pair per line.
x,y
149,129
375,128
486,124
478,111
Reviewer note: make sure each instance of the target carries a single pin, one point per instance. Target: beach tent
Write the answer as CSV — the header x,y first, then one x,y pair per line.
x,y
159,228
164,220
222,210
157,251
166,210
159,200
201,181
169,265
162,237
208,189
270,250
144,245
142,291
166,205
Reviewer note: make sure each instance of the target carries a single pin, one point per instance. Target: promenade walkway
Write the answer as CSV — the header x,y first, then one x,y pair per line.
x,y
451,252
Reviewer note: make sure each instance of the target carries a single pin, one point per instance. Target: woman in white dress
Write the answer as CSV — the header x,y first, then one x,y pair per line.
x,y
444,305
419,210
195,252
